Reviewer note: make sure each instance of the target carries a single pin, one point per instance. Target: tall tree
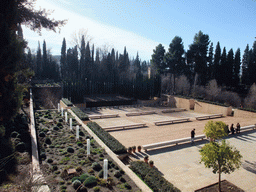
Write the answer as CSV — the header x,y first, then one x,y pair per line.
x,y
223,67
252,65
236,69
45,62
217,68
88,63
198,56
158,59
137,66
229,68
82,67
39,62
210,64
174,58
245,63
63,59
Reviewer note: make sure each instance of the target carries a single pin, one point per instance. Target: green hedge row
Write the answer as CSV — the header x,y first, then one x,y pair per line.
x,y
152,177
80,113
67,102
247,109
110,141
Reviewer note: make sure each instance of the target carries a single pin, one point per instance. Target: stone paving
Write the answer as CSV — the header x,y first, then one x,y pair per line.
x,y
180,164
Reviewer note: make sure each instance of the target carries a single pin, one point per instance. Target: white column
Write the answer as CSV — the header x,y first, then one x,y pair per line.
x,y
61,112
88,146
70,123
105,169
66,117
58,107
77,132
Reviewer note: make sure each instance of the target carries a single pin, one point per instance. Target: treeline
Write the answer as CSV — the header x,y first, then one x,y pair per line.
x,y
202,63
85,70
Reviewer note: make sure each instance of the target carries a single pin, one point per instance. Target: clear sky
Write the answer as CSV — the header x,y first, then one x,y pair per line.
x,y
142,25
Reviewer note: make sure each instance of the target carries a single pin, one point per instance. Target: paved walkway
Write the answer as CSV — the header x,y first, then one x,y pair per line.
x,y
180,164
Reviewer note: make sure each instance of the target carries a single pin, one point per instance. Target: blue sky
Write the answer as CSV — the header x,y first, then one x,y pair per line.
x,y
142,25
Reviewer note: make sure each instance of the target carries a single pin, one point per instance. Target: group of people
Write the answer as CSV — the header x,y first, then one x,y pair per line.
x,y
232,129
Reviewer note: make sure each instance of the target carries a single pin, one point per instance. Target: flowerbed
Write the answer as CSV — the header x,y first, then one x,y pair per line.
x,y
65,163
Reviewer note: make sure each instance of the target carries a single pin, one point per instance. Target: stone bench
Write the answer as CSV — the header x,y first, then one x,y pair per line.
x,y
248,127
103,116
166,122
148,112
209,116
133,114
135,125
173,110
171,142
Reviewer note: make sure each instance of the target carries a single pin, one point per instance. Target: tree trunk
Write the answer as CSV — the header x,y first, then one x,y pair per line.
x,y
219,179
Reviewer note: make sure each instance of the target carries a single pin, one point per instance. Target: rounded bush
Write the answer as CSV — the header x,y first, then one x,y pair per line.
x,y
20,147
14,134
122,180
54,168
100,175
82,189
76,183
117,174
59,124
49,160
90,181
43,155
81,133
83,177
56,128
48,141
79,143
70,150
96,166
127,186
41,134
60,120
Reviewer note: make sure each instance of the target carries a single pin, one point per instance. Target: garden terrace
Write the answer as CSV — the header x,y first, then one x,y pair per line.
x,y
64,160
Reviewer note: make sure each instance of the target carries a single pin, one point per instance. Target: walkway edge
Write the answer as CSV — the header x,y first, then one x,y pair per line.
x,y
127,170
38,182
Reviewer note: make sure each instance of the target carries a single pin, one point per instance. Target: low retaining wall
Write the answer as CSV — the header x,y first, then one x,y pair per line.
x,y
202,107
244,114
184,103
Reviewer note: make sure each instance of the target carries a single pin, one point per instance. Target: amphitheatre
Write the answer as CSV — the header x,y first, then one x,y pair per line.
x,y
179,164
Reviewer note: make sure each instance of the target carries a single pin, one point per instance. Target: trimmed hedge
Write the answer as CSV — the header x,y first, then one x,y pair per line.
x,y
67,102
151,177
110,141
80,113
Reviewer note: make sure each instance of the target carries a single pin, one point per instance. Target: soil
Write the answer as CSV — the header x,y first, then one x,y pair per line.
x,y
226,186
59,157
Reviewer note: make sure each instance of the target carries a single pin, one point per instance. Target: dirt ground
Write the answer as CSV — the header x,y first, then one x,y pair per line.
x,y
152,133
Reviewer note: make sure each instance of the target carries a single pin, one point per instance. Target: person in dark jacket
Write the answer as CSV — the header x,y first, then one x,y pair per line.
x,y
192,136
237,128
232,129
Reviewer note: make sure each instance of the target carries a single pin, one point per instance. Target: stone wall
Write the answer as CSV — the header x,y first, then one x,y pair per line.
x,y
244,114
201,107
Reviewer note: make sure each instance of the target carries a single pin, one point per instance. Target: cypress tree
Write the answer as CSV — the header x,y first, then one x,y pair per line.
x,y
39,62
223,67
210,63
63,59
252,65
229,70
236,68
245,63
217,68
158,59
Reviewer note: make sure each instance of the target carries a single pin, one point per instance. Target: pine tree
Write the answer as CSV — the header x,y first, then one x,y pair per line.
x,y
82,67
198,56
45,62
88,66
236,69
252,65
158,59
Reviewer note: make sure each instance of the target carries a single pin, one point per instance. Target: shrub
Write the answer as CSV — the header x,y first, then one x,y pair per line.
x,y
70,150
60,120
79,143
67,102
117,174
110,141
97,188
54,168
83,177
81,115
41,134
43,155
59,124
14,134
81,133
49,160
90,181
127,186
96,166
151,177
82,189
48,141
20,147
100,175
55,128
76,183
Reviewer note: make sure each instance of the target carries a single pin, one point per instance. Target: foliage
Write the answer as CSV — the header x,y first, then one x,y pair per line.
x,y
151,177
221,157
250,100
215,130
81,115
90,181
76,183
96,166
109,140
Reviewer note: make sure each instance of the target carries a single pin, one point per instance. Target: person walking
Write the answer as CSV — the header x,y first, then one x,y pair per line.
x,y
192,136
232,129
237,128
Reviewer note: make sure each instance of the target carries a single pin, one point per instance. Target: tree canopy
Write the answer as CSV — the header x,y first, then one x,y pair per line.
x,y
215,130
